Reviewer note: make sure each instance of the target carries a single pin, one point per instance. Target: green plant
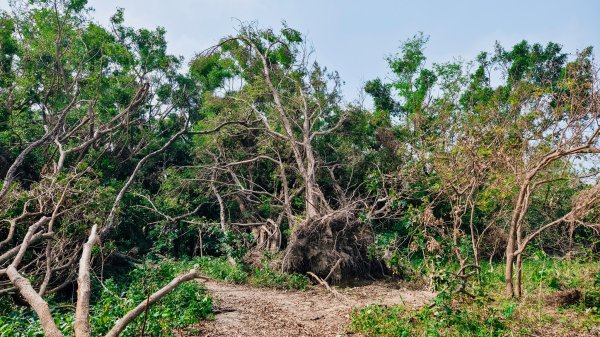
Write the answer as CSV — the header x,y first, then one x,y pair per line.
x,y
184,306
443,319
376,320
23,322
266,277
221,268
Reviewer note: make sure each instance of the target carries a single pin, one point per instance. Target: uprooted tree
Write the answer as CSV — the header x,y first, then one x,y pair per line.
x,y
293,105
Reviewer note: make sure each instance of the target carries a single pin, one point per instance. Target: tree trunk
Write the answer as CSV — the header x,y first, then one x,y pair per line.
x,y
508,273
82,310
35,300
514,234
518,289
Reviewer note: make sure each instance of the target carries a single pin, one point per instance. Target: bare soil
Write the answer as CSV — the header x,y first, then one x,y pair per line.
x,y
243,310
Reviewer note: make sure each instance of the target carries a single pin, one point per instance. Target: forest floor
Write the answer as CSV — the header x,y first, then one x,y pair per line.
x,y
243,310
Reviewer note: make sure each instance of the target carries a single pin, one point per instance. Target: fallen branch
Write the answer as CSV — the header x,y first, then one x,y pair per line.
x,y
326,285
36,302
82,310
122,323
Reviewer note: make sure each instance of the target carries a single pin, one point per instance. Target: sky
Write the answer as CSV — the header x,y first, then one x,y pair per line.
x,y
354,37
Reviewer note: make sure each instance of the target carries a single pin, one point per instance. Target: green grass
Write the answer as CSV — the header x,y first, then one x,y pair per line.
x,y
491,313
446,320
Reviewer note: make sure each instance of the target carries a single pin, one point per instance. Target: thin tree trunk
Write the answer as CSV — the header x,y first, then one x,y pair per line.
x,y
518,282
473,238
508,272
220,200
82,310
36,302
515,227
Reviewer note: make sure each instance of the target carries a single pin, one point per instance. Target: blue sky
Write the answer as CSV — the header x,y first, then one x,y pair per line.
x,y
353,37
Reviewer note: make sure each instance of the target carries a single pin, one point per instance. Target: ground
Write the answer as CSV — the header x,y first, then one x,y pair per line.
x,y
243,310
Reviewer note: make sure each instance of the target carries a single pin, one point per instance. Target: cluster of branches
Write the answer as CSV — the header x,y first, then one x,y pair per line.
x,y
491,168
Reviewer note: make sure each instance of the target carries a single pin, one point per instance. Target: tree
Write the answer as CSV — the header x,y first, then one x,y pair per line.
x,y
79,100
472,141
555,119
273,171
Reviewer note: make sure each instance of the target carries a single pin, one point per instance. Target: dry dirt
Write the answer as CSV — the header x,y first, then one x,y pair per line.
x,y
246,311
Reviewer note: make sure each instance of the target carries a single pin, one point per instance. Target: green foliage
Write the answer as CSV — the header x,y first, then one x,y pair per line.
x,y
225,269
184,306
266,277
474,320
591,300
222,269
434,130
453,314
377,320
23,322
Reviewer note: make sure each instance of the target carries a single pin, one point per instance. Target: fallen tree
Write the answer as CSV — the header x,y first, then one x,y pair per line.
x,y
295,105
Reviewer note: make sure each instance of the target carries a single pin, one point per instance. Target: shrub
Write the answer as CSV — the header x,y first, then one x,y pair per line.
x,y
266,277
222,269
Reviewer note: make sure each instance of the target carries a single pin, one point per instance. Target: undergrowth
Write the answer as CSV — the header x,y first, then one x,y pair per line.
x,y
223,269
117,294
490,313
114,297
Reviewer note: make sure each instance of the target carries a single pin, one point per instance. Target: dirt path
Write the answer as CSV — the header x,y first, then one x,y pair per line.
x,y
246,311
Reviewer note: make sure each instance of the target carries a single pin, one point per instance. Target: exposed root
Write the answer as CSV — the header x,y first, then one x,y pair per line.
x,y
333,247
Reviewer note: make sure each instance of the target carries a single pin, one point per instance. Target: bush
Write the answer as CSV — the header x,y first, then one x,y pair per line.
x,y
266,277
591,300
221,269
